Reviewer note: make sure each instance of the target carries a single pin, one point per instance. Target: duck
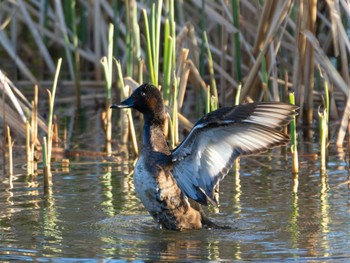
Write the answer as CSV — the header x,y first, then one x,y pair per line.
x,y
172,184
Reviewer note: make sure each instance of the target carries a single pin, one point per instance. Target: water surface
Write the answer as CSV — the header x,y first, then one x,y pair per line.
x,y
93,213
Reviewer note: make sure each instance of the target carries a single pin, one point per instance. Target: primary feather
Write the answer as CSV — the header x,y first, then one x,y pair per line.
x,y
208,152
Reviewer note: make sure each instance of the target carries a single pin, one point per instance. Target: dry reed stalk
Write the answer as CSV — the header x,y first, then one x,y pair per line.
x,y
196,78
334,76
55,137
183,72
34,129
125,91
273,23
174,117
132,132
4,132
36,36
303,74
97,38
223,61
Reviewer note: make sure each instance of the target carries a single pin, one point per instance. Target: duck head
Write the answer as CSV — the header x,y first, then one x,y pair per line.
x,y
147,99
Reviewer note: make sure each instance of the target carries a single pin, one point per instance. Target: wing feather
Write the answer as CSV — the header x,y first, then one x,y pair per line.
x,y
208,152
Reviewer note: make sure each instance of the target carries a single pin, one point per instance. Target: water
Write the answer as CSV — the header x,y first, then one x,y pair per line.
x,y
94,214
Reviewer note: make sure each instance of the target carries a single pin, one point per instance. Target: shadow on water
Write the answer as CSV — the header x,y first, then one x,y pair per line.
x,y
93,213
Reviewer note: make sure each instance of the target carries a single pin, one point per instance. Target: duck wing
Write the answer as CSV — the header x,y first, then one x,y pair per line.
x,y
206,155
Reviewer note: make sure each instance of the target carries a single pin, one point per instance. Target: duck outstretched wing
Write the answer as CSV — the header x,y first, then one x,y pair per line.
x,y
206,155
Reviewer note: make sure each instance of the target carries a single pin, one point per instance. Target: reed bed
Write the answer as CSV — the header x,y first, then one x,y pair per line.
x,y
196,52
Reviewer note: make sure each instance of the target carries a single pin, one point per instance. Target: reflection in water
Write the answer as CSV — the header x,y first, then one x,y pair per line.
x,y
107,191
324,212
293,227
51,233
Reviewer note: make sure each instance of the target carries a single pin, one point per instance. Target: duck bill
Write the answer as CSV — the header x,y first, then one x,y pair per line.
x,y
128,103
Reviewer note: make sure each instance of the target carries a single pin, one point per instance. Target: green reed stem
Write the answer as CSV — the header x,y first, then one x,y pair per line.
x,y
134,45
110,64
326,91
149,50
167,66
44,152
207,100
293,135
46,167
211,67
157,19
121,78
107,64
173,32
237,41
52,102
83,26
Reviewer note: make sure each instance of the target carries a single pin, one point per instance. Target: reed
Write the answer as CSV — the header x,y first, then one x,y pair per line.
x,y
107,63
132,37
167,65
29,154
293,135
72,25
207,100
323,126
152,30
211,69
237,161
265,84
52,96
46,167
47,147
124,93
10,154
34,130
276,34
4,132
175,120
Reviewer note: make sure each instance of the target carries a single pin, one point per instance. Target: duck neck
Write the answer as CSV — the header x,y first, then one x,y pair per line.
x,y
153,135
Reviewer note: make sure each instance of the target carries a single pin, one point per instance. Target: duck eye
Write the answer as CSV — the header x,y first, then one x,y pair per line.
x,y
143,94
